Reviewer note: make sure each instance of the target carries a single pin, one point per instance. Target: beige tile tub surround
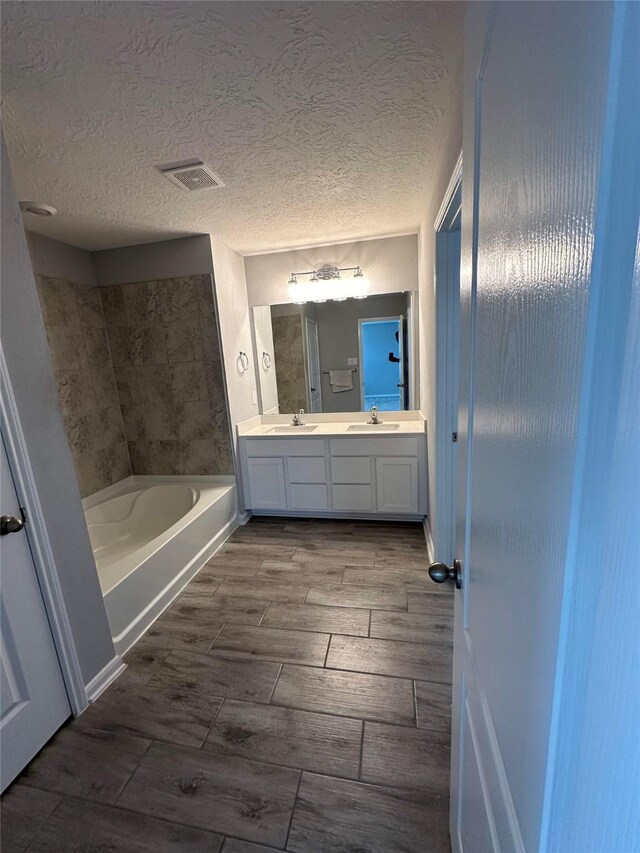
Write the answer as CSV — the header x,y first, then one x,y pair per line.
x,y
288,354
166,355
85,381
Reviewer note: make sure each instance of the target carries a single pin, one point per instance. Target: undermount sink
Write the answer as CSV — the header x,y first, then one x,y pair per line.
x,y
293,429
372,427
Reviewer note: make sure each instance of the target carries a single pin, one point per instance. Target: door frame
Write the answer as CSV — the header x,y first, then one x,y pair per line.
x,y
447,297
399,318
40,546
307,355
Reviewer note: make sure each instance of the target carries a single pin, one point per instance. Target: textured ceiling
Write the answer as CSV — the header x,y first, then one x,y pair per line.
x,y
322,118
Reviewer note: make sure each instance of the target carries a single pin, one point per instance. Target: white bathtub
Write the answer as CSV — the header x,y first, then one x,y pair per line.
x,y
150,536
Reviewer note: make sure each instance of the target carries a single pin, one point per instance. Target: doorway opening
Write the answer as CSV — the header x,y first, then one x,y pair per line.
x,y
382,363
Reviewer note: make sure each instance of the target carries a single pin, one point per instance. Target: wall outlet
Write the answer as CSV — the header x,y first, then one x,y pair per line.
x,y
352,362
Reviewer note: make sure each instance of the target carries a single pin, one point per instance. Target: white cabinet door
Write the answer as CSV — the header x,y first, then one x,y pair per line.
x,y
34,701
397,484
266,483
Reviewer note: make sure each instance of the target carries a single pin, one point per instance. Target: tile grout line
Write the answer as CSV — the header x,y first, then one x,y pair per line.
x,y
275,684
130,777
259,625
293,808
247,657
211,725
326,656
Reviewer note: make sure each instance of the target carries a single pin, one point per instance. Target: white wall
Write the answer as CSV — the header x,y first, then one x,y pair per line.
x,y
445,164
28,362
267,380
152,261
60,260
390,264
234,317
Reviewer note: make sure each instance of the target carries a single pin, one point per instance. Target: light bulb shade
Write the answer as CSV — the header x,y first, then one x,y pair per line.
x,y
358,273
320,289
292,279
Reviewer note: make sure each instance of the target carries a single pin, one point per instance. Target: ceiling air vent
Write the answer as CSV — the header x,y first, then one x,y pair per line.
x,y
193,177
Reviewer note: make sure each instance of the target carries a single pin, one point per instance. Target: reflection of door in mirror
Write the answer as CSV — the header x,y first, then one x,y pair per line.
x,y
382,371
288,352
313,365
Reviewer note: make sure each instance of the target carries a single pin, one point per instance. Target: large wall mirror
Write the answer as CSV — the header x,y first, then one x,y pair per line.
x,y
337,356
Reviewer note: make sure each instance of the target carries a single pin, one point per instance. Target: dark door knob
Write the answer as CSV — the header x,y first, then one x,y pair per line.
x,y
10,524
440,572
313,389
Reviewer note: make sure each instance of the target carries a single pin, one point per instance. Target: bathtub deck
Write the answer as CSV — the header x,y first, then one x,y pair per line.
x,y
296,696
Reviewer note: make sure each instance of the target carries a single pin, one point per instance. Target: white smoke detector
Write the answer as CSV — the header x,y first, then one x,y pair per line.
x,y
192,177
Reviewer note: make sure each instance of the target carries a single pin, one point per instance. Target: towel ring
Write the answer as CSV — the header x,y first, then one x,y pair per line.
x,y
266,360
242,362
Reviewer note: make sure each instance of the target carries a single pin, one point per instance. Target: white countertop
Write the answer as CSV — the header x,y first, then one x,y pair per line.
x,y
262,426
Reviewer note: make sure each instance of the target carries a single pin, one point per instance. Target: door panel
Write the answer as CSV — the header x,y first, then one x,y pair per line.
x,y
397,484
532,153
34,700
266,482
476,827
313,366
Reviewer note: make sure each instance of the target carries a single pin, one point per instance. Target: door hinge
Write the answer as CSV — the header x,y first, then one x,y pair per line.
x,y
454,436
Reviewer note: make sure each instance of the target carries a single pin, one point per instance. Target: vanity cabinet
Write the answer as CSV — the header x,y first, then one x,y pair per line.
x,y
384,476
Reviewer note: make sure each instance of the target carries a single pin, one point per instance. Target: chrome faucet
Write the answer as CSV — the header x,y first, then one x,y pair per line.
x,y
297,419
374,416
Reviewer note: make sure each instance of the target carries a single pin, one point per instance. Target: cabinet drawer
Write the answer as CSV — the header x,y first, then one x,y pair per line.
x,y
284,446
351,469
266,483
308,496
352,498
393,445
306,469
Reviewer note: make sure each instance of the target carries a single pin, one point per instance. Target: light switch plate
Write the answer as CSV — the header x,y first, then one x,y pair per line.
x,y
352,362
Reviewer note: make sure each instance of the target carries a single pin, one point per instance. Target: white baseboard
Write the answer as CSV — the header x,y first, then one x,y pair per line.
x,y
244,517
428,538
333,514
105,677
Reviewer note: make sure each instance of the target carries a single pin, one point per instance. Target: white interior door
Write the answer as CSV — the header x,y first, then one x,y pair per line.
x,y
382,372
313,365
530,190
33,699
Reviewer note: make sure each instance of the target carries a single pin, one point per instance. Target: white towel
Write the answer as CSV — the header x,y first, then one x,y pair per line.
x,y
341,380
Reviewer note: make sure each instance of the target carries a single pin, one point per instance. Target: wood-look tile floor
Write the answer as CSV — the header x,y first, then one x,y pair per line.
x,y
295,697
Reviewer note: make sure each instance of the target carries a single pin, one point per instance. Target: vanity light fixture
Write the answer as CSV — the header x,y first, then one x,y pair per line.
x,y
325,283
